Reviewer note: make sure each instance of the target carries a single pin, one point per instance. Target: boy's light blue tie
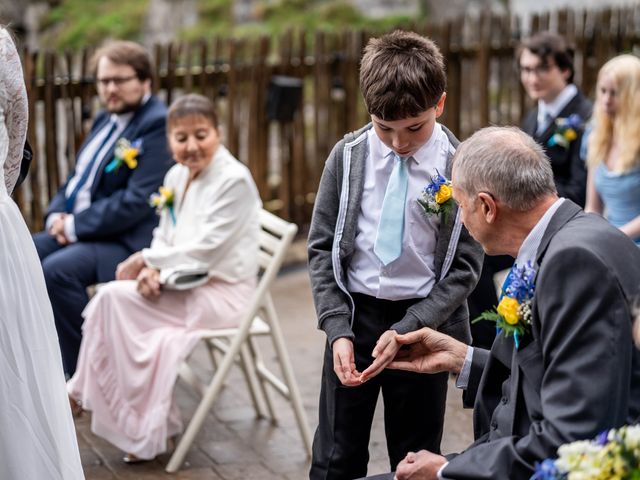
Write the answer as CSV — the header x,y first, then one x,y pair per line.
x,y
388,245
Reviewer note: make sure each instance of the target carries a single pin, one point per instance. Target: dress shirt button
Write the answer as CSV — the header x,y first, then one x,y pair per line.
x,y
504,400
494,424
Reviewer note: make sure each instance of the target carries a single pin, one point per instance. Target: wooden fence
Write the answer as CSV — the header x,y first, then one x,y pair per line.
x,y
286,156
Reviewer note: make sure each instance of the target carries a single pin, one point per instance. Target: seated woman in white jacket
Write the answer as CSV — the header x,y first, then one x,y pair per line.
x,y
136,331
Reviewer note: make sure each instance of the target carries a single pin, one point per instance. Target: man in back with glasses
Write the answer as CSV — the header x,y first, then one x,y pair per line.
x,y
557,121
100,215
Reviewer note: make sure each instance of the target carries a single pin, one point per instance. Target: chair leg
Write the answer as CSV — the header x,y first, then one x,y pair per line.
x,y
263,382
210,395
212,355
253,385
287,371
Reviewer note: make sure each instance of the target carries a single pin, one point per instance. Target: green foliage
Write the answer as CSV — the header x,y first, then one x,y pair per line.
x,y
77,23
215,18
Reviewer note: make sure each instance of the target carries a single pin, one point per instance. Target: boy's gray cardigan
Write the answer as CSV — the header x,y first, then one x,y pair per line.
x,y
458,258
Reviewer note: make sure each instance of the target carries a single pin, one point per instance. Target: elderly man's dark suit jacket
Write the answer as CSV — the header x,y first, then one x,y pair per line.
x,y
569,169
576,373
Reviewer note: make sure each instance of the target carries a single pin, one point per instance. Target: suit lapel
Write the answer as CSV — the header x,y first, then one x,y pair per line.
x,y
502,349
126,133
568,109
566,211
446,228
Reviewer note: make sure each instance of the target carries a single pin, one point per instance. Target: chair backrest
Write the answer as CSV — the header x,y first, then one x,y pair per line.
x,y
276,235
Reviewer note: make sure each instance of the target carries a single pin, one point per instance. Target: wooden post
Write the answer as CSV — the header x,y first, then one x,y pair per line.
x,y
50,125
484,67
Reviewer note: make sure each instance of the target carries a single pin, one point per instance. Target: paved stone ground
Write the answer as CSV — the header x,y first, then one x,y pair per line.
x,y
233,443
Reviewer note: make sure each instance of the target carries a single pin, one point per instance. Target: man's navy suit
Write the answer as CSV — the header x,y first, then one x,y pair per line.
x,y
577,372
118,222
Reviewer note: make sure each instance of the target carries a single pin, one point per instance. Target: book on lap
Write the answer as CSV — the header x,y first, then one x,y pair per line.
x,y
184,277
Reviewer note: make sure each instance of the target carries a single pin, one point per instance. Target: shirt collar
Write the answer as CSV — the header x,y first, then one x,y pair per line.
x,y
529,247
554,107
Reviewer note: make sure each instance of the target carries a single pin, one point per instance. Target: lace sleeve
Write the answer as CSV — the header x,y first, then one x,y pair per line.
x,y
13,101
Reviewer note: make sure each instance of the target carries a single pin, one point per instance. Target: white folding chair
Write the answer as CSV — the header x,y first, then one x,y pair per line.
x,y
237,346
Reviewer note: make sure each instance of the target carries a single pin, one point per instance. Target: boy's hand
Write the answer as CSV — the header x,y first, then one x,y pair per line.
x,y
344,363
383,353
430,352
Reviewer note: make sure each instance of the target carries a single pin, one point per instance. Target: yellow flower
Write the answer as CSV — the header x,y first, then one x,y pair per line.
x,y
508,309
570,134
166,193
129,157
443,194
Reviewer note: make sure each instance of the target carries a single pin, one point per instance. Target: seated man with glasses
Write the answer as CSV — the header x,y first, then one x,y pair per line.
x,y
545,63
100,215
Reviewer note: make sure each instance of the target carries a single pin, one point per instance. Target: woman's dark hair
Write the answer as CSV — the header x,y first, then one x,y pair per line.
x,y
192,104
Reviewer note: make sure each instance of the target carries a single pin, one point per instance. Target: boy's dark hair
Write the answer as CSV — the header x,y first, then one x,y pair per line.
x,y
402,74
550,46
125,53
189,105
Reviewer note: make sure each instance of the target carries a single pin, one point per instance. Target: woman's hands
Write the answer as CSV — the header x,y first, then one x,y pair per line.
x,y
149,283
131,267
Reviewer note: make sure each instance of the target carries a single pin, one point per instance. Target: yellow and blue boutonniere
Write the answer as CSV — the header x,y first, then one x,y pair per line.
x,y
566,131
126,153
163,199
513,313
436,197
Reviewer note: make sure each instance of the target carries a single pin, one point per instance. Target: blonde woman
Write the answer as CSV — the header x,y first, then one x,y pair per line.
x,y
613,185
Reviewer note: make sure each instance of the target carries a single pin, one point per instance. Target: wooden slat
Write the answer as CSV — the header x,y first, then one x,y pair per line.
x,y
51,125
239,70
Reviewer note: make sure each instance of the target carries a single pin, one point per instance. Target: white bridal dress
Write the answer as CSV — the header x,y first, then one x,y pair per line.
x,y
37,435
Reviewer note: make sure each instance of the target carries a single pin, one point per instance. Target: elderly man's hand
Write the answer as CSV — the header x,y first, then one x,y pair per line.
x,y
384,352
422,465
429,352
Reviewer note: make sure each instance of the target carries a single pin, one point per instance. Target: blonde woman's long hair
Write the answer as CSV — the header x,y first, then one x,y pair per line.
x,y
624,127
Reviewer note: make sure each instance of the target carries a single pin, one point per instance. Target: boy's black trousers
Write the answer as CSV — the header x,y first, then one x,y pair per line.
x,y
414,403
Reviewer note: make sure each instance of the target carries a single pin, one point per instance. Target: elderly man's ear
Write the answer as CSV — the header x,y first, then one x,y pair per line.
x,y
488,206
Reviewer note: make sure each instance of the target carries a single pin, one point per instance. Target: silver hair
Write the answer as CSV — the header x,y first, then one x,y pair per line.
x,y
507,163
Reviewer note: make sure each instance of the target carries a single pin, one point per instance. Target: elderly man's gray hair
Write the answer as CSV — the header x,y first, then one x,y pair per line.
x,y
505,162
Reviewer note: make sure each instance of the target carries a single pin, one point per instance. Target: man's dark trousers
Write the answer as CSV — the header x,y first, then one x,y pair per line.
x,y
68,271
